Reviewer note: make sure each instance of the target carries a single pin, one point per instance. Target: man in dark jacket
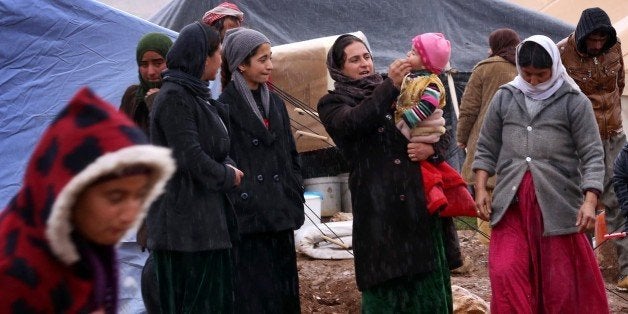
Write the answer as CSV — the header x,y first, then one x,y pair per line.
x,y
593,58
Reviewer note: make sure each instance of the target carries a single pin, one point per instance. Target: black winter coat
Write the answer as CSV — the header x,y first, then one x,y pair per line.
x,y
620,181
194,214
392,236
270,197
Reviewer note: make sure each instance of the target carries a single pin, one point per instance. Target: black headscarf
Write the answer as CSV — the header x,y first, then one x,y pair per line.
x,y
186,58
345,85
503,43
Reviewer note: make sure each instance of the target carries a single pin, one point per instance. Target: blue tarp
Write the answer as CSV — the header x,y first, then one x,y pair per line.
x,y
49,50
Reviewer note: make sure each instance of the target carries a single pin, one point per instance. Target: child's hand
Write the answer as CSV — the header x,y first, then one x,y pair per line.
x,y
398,70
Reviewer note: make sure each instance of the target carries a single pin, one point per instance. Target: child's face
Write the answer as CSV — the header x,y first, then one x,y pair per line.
x,y
259,68
105,211
151,66
415,59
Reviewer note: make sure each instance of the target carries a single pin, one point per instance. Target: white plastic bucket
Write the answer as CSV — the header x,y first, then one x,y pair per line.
x,y
345,193
329,189
312,208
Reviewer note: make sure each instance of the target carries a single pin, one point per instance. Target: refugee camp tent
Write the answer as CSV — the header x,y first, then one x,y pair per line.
x,y
49,50
388,26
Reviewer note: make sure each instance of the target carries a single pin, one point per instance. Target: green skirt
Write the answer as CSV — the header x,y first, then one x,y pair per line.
x,y
424,293
195,282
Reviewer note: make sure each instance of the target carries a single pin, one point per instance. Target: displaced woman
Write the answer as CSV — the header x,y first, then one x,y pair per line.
x,y
269,202
539,138
91,178
402,254
191,227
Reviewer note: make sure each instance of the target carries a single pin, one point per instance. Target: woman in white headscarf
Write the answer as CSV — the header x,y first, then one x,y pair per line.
x,y
540,139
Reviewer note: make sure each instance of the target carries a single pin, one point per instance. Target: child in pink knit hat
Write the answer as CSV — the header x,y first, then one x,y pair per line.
x,y
419,117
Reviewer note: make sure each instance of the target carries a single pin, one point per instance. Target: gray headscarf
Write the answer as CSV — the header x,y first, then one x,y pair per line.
x,y
237,45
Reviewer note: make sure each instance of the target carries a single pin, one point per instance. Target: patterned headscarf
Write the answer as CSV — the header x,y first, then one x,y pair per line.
x,y
224,9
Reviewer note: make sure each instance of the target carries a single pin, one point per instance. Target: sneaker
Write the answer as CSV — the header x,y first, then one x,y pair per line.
x,y
622,284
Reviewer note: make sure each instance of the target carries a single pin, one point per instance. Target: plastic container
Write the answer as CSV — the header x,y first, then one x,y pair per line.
x,y
329,189
312,208
345,193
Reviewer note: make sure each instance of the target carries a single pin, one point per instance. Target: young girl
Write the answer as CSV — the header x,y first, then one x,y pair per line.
x,y
190,228
269,203
539,136
419,117
90,179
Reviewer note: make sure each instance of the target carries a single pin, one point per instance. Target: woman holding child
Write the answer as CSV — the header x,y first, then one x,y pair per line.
x,y
402,254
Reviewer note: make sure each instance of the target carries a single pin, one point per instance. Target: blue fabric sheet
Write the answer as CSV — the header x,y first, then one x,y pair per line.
x,y
49,50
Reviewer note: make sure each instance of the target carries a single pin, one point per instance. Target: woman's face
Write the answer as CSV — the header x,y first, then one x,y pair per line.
x,y
259,68
105,211
535,76
212,64
151,66
358,62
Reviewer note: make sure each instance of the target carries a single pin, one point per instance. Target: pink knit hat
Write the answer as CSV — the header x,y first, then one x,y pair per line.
x,y
224,9
434,49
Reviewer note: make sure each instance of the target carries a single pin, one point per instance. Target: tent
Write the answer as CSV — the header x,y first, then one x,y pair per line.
x,y
49,50
388,26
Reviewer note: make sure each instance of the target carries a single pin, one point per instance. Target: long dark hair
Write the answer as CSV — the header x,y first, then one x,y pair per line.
x,y
533,54
225,73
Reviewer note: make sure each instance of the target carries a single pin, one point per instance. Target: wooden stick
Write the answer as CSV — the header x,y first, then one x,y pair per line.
x,y
302,112
336,242
320,137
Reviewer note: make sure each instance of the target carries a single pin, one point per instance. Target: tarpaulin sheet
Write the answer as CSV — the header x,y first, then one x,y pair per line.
x,y
49,50
388,25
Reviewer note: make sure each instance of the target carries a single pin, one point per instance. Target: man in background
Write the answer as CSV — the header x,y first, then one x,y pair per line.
x,y
593,58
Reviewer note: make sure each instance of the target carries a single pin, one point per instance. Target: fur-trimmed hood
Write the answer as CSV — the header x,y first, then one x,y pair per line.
x,y
87,140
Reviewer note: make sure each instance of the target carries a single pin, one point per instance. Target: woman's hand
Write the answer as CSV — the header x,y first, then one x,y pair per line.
x,y
483,204
238,176
461,145
420,151
586,214
482,198
151,91
398,70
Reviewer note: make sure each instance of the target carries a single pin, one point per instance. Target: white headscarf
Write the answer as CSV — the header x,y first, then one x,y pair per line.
x,y
559,74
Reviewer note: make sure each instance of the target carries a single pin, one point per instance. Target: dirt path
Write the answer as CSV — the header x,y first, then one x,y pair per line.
x,y
328,286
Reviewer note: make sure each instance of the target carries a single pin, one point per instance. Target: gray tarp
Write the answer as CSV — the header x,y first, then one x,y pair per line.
x,y
388,25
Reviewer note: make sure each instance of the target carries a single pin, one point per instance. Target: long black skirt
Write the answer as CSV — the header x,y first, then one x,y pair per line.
x,y
266,274
195,282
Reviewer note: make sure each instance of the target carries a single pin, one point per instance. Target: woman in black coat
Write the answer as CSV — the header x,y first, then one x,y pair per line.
x,y
402,254
190,226
269,203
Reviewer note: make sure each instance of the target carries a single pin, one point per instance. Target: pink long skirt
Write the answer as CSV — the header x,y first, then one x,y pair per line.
x,y
531,273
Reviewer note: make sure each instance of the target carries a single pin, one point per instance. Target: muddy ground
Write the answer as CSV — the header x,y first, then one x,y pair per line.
x,y
328,286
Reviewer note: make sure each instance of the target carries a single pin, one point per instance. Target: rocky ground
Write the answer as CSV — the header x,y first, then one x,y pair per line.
x,y
328,286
